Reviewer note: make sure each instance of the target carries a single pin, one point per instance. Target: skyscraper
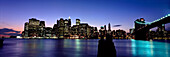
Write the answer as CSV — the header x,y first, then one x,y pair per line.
x,y
109,28
34,28
25,32
77,21
104,27
63,29
42,29
69,22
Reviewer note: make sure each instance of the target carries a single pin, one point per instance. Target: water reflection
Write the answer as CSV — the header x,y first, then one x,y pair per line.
x,y
149,49
80,48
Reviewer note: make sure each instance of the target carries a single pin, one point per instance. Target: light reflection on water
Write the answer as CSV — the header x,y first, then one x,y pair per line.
x,y
150,48
80,48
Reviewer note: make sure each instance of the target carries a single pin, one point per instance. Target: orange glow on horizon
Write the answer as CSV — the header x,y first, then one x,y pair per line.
x,y
4,35
9,32
16,29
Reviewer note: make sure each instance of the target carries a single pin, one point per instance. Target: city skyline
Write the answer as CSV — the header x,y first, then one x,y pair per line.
x,y
13,14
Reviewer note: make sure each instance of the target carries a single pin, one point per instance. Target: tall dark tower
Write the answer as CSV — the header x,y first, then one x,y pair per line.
x,y
141,34
105,31
109,28
69,24
58,23
26,29
26,26
42,29
104,27
138,24
69,21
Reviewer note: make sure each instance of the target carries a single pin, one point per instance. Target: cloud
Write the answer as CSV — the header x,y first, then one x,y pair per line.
x,y
11,32
117,25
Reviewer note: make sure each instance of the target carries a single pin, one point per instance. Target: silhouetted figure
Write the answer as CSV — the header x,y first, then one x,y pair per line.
x,y
106,47
100,47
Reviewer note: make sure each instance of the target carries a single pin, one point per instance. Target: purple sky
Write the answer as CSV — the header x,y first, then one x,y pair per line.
x,y
14,13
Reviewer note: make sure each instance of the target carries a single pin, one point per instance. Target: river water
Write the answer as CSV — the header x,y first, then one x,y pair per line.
x,y
81,48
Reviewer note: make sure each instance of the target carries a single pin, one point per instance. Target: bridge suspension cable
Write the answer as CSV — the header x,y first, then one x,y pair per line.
x,y
148,23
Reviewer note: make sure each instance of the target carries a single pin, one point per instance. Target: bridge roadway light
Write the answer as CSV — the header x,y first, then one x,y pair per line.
x,y
163,17
168,14
156,20
160,19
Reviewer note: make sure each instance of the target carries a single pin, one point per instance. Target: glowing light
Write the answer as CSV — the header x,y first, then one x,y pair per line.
x,y
69,17
143,23
168,14
141,19
132,40
18,37
77,45
156,20
163,24
163,17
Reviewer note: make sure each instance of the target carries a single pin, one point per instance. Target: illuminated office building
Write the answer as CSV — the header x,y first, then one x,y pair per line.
x,y
34,28
63,29
42,29
83,30
120,33
77,21
48,32
161,32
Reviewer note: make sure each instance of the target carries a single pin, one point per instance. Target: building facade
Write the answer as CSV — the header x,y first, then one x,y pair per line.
x,y
34,28
63,29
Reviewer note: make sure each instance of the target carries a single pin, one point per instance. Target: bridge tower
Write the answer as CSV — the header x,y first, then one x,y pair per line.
x,y
141,34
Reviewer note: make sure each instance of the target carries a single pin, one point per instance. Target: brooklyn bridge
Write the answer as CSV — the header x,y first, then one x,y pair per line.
x,y
142,27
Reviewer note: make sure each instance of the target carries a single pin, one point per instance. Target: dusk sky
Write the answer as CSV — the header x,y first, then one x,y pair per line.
x,y
14,13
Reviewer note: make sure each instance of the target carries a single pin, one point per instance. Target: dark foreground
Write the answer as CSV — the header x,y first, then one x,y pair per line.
x,y
80,48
